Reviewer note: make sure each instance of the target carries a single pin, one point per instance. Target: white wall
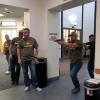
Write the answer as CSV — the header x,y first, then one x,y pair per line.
x,y
51,24
53,48
72,15
27,19
59,35
97,49
17,19
54,3
88,23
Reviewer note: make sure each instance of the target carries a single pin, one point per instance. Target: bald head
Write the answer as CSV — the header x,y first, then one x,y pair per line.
x,y
21,34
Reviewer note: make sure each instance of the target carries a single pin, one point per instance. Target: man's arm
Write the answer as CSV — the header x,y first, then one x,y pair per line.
x,y
19,52
70,45
36,49
11,47
36,53
10,51
88,43
19,55
4,48
92,46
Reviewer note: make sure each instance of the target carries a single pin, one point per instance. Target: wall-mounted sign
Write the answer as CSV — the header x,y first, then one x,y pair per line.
x,y
53,33
64,0
67,0
53,36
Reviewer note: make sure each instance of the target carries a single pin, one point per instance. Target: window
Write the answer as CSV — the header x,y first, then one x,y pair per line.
x,y
65,35
8,24
67,38
68,31
11,32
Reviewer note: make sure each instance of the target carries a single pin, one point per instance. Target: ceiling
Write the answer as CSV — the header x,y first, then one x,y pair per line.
x,y
15,11
70,4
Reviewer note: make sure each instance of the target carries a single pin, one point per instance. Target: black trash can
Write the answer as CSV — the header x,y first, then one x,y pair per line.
x,y
41,71
92,89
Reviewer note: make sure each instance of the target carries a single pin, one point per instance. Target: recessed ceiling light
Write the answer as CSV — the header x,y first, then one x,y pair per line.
x,y
1,15
5,8
8,12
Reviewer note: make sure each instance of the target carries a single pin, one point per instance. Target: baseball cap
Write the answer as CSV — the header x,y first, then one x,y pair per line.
x,y
73,34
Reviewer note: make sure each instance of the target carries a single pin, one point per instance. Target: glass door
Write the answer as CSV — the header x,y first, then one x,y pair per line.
x,y
11,32
67,38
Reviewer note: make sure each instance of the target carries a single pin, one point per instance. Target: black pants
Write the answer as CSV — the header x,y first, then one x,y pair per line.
x,y
91,68
15,69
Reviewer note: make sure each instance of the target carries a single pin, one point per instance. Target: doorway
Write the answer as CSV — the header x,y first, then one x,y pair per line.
x,y
83,26
78,19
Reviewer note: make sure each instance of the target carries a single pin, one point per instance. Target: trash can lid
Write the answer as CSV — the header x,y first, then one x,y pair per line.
x,y
92,83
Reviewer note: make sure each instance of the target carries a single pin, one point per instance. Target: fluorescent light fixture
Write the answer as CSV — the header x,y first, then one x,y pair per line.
x,y
8,12
72,18
74,23
1,15
9,24
5,8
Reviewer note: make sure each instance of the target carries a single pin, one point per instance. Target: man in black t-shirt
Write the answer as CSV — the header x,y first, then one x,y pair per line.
x,y
91,45
15,66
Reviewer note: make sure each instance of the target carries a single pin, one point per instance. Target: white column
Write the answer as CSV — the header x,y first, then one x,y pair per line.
x,y
53,48
97,49
27,19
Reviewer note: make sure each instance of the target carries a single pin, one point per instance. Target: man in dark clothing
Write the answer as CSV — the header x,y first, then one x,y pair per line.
x,y
91,45
75,47
6,52
15,66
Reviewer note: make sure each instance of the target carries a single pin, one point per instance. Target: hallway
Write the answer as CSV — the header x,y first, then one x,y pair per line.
x,y
5,80
58,90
